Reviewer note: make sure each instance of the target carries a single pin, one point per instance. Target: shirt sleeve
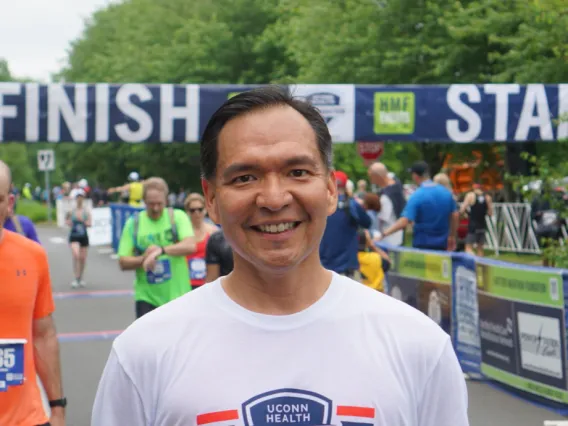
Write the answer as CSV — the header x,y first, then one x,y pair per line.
x,y
32,233
386,209
183,224
444,398
411,210
126,244
118,401
359,213
211,250
44,304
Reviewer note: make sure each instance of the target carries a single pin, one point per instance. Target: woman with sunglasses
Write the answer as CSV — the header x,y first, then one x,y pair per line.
x,y
195,208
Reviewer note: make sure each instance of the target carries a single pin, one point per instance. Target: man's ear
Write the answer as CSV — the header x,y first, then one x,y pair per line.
x,y
210,199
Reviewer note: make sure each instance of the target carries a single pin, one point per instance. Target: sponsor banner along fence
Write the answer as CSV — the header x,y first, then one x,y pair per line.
x,y
138,113
507,321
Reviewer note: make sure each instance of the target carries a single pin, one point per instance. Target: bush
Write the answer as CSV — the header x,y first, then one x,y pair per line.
x,y
37,212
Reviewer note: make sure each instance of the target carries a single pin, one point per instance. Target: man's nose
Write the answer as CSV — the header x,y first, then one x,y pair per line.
x,y
274,194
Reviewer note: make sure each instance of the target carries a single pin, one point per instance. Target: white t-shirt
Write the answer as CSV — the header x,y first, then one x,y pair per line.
x,y
386,218
356,356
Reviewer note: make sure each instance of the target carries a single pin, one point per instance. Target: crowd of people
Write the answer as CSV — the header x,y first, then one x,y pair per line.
x,y
277,264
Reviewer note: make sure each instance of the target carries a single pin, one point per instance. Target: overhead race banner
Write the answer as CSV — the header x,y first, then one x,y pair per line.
x,y
424,281
144,113
522,327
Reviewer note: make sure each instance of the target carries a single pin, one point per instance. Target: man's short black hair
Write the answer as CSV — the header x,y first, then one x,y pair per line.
x,y
256,99
420,168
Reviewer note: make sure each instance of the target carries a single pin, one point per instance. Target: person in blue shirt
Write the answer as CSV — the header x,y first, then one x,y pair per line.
x,y
340,244
22,225
433,212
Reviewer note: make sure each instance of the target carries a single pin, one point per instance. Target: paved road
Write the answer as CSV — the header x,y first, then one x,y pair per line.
x,y
80,321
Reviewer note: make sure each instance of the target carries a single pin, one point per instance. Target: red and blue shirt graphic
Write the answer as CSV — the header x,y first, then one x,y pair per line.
x,y
290,407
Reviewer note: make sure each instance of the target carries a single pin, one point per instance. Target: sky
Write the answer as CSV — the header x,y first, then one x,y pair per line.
x,y
36,34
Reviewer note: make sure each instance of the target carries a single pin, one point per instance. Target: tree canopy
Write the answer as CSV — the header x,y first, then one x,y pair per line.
x,y
301,41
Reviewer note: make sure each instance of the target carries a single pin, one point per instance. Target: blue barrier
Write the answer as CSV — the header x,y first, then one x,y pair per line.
x,y
119,215
507,321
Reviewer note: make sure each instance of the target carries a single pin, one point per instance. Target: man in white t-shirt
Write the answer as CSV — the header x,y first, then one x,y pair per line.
x,y
392,202
280,340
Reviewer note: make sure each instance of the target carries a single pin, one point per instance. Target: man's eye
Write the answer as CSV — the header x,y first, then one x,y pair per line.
x,y
299,173
243,179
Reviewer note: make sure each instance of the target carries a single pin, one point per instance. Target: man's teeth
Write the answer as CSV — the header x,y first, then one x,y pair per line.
x,y
274,229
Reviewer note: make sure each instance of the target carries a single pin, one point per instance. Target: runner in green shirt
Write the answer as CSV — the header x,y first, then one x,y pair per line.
x,y
154,248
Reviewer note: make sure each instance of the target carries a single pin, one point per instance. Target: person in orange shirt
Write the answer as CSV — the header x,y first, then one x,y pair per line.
x,y
28,340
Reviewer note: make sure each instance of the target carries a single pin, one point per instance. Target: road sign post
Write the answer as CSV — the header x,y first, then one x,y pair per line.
x,y
46,164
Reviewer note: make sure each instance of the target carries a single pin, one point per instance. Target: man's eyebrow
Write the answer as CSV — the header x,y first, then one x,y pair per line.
x,y
247,167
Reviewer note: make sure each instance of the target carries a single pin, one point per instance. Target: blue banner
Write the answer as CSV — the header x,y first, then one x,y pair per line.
x,y
145,113
465,314
119,215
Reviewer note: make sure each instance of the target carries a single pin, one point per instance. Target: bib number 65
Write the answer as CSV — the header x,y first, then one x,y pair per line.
x,y
7,358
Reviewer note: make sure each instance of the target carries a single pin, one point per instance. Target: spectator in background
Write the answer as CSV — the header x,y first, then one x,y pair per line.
x,y
339,245
22,225
374,262
218,257
361,188
27,191
433,212
444,180
478,205
372,204
194,206
392,203
547,220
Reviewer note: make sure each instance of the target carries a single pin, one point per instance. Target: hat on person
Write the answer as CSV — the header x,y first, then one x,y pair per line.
x,y
420,168
341,178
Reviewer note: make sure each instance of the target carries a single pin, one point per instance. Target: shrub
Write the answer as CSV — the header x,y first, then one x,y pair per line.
x,y
36,211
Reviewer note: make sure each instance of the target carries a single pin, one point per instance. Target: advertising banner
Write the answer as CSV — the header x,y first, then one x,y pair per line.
x,y
336,103
423,280
119,215
144,113
522,327
465,314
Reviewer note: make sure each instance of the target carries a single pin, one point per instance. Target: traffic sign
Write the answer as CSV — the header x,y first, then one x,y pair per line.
x,y
370,150
46,160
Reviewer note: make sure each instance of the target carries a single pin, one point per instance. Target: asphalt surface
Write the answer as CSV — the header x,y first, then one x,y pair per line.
x,y
87,323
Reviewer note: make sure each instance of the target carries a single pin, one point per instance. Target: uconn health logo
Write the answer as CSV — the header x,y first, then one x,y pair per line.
x,y
287,407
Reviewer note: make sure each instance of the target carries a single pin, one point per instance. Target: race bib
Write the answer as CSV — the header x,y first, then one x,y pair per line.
x,y
197,269
79,229
11,363
161,273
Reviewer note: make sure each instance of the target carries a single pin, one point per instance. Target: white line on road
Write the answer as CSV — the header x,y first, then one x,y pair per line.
x,y
555,423
57,240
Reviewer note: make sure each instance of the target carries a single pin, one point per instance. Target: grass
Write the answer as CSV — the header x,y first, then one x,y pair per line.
x,y
36,211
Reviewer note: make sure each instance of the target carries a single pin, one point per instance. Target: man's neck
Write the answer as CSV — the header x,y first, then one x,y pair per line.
x,y
283,293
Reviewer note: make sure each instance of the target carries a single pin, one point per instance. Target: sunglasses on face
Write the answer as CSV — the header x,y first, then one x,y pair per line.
x,y
199,209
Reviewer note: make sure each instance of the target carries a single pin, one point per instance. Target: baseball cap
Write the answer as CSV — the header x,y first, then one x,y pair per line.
x,y
341,178
420,168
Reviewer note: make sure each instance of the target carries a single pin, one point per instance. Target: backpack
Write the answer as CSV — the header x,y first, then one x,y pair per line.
x,y
136,224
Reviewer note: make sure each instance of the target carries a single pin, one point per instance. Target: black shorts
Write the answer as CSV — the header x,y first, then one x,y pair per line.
x,y
83,241
143,307
475,236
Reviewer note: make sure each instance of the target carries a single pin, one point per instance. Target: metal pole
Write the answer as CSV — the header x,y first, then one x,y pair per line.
x,y
48,190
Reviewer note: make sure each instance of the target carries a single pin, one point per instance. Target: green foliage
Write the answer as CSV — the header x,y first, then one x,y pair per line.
x,y
301,41
37,212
